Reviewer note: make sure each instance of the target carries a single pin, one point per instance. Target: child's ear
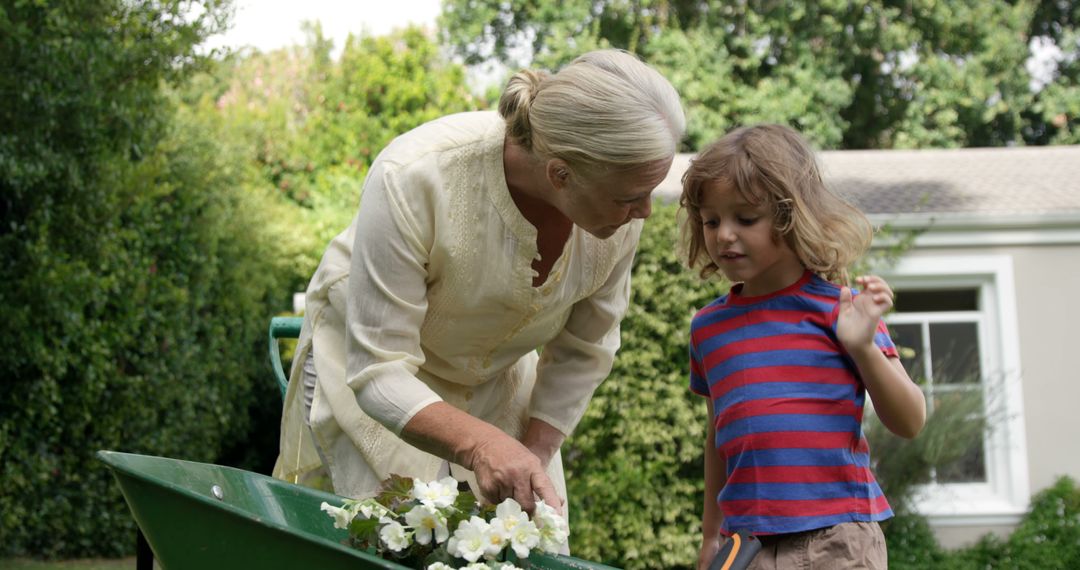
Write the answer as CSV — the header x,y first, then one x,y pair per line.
x,y
782,215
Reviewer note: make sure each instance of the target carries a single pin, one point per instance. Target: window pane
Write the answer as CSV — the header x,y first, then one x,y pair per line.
x,y
937,300
954,349
962,458
909,342
970,468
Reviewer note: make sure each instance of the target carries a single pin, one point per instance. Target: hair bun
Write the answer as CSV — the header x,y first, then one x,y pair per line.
x,y
515,102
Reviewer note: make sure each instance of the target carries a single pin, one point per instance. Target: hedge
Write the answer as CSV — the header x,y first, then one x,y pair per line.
x,y
138,270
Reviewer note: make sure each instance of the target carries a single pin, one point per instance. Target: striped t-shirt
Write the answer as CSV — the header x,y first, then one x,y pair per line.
x,y
788,409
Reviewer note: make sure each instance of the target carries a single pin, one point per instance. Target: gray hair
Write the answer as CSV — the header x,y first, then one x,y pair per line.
x,y
606,109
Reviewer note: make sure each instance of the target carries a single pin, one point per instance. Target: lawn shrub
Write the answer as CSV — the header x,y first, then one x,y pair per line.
x,y
911,543
1049,536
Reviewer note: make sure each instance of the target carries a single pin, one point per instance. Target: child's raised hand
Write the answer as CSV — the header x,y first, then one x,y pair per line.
x,y
858,315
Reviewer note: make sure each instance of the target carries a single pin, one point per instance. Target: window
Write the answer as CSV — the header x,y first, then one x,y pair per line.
x,y
955,325
937,333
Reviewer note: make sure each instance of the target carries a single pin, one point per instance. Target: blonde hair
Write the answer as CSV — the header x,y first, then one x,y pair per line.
x,y
773,165
605,110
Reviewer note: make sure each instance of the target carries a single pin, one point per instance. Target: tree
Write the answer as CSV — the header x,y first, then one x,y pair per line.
x,y
311,125
1054,118
380,88
850,74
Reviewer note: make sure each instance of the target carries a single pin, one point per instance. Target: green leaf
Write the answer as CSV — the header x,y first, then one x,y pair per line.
x,y
394,490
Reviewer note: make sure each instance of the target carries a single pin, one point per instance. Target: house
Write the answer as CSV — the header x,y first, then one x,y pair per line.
x,y
985,299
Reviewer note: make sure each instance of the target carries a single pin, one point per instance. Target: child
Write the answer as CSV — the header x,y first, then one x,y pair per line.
x,y
787,357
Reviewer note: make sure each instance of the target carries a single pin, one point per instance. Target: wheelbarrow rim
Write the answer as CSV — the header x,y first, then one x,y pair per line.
x,y
107,456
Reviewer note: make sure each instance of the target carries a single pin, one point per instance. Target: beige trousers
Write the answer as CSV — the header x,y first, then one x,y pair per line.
x,y
842,546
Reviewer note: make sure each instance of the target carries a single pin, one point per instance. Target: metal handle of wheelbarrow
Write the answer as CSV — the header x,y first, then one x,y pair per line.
x,y
737,552
282,327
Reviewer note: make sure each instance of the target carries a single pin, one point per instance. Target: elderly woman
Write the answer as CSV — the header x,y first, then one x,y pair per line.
x,y
461,323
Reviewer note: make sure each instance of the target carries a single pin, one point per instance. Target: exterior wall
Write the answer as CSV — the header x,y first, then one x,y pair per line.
x,y
954,537
1046,277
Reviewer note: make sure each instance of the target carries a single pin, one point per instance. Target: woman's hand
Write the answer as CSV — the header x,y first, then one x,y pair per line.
x,y
505,468
858,315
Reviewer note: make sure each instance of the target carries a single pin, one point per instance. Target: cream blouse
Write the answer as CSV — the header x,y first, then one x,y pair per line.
x,y
428,297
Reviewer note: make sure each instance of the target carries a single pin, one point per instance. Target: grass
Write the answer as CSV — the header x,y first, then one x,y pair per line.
x,y
86,564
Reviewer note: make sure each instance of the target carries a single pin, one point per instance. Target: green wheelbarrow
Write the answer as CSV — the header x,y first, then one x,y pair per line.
x,y
198,515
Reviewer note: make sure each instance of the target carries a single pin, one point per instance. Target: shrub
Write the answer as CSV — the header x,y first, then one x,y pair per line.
x,y
911,543
138,272
1049,536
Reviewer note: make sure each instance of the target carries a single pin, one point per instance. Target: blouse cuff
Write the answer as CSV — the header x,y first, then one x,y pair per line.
x,y
412,412
393,402
554,422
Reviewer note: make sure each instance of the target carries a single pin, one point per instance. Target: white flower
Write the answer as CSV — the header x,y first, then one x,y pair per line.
x,y
470,540
427,520
497,537
441,493
371,509
516,527
510,513
342,516
524,537
394,536
553,528
476,566
439,566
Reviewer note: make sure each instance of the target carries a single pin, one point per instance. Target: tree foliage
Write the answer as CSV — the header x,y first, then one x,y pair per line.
x,y
863,74
311,124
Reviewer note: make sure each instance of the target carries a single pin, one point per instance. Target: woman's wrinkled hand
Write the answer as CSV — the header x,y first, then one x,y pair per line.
x,y
505,468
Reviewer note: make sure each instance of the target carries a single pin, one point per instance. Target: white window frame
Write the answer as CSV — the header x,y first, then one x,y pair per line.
x,y
1004,497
